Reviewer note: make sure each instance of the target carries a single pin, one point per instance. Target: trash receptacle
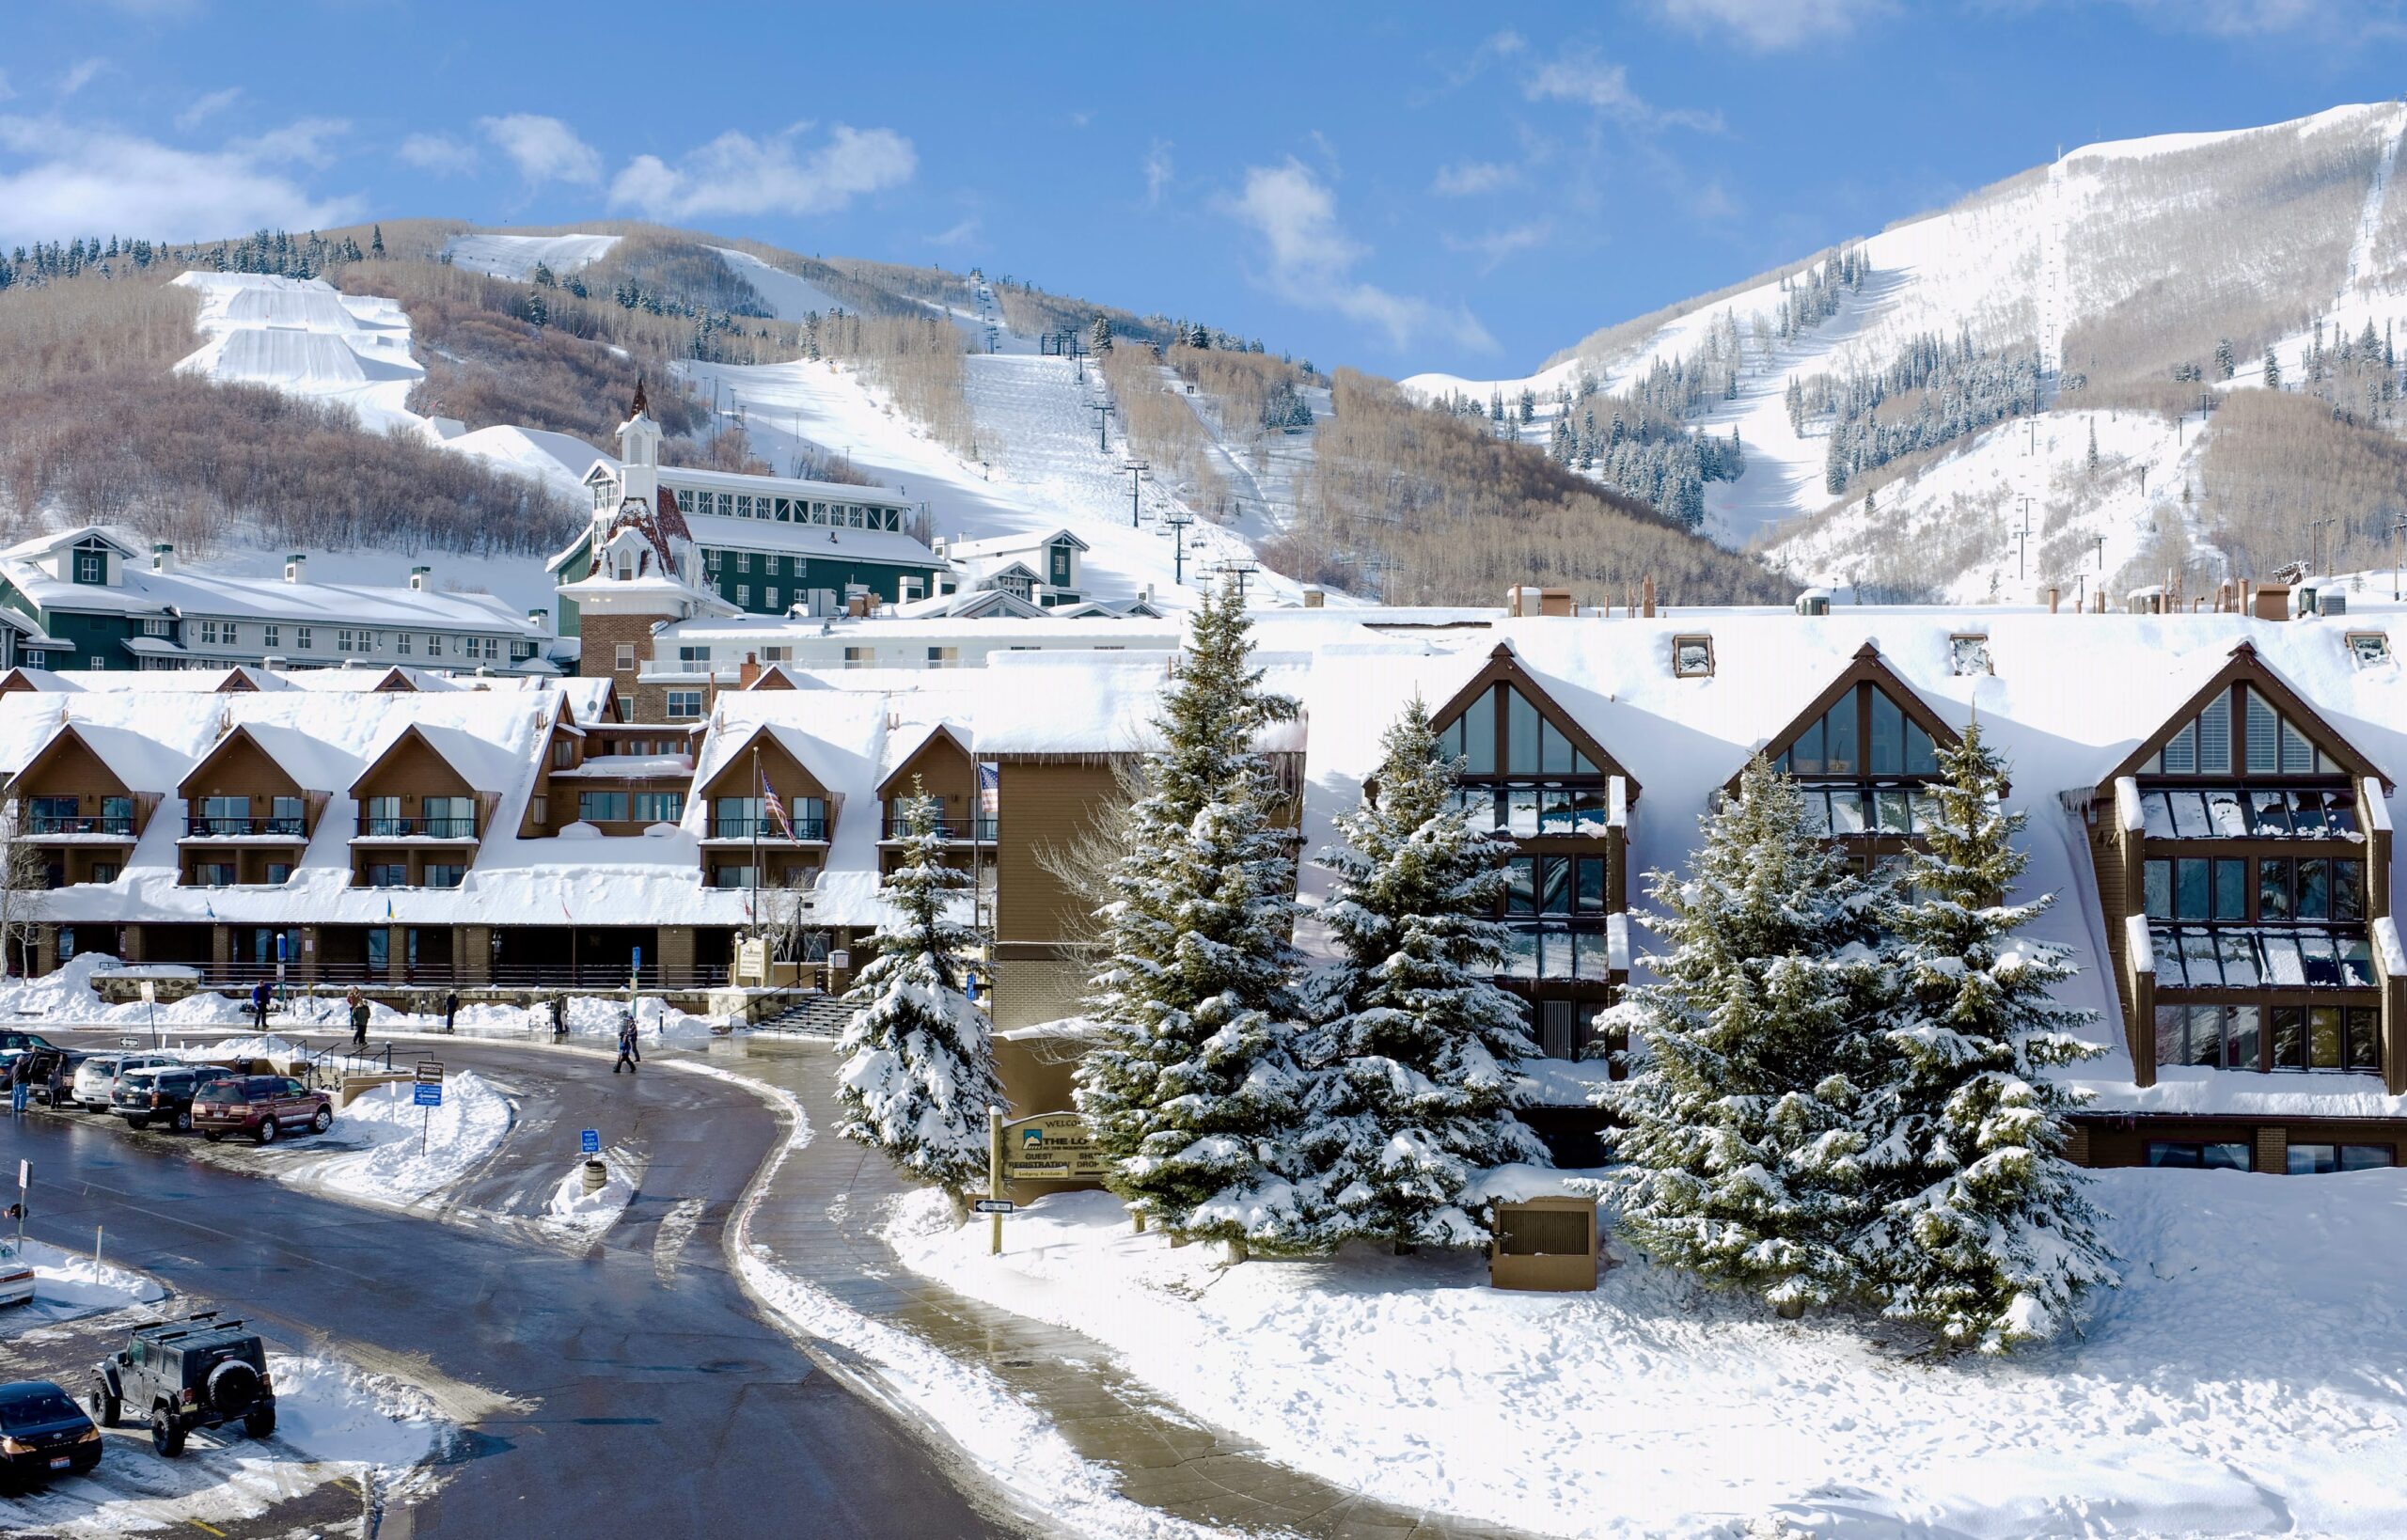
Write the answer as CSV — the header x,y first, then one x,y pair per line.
x,y
1547,1243
597,1176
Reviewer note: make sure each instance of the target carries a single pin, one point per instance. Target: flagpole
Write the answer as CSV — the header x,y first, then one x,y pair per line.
x,y
760,784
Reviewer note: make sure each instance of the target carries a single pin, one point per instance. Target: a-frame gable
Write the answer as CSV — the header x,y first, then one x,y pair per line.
x,y
1866,667
62,744
403,740
941,735
236,739
738,762
1504,667
2247,668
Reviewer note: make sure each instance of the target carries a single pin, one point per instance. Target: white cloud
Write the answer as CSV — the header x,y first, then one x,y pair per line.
x,y
1311,259
544,149
1158,172
60,178
736,174
207,108
79,75
960,235
1770,25
438,153
302,140
1594,82
1465,179
6,91
1495,247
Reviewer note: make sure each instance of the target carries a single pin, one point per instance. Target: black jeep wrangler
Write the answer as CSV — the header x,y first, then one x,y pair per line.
x,y
195,1372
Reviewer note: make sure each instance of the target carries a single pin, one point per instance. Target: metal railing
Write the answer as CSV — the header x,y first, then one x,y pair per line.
x,y
450,826
980,831
206,826
41,823
581,977
806,830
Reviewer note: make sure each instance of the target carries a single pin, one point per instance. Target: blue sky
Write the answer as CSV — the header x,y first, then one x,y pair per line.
x,y
1397,187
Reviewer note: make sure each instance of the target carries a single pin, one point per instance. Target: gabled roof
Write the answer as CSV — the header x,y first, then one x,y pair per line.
x,y
117,750
1866,667
1505,667
41,546
2244,665
1003,545
906,743
712,761
473,758
310,765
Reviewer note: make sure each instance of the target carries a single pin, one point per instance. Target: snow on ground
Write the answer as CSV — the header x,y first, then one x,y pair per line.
x,y
401,1154
584,1215
789,298
515,256
2246,1380
68,1286
307,338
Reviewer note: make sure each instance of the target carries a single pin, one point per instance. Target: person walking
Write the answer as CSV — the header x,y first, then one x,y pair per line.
x,y
630,1056
359,1017
259,1003
60,1082
20,1082
560,1017
451,1011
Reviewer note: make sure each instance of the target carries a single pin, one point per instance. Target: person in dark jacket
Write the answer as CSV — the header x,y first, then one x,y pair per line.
x,y
630,1057
358,1019
560,1017
450,1010
259,1003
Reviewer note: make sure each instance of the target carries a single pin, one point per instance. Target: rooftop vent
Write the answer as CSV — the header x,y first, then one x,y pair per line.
x,y
417,577
1813,601
296,568
163,557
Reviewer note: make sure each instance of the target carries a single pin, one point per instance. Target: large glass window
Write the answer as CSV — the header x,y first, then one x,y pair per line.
x,y
1530,745
2231,1156
601,807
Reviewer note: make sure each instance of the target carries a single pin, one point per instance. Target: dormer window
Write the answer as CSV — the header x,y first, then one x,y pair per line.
x,y
1969,653
91,563
2368,649
1691,657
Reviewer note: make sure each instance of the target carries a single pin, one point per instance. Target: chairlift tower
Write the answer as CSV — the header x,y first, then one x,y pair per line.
x,y
1177,522
1138,470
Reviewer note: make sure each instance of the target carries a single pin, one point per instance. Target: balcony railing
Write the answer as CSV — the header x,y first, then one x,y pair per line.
x,y
806,830
120,825
377,826
212,826
981,830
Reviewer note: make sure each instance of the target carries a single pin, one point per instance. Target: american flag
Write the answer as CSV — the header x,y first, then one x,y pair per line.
x,y
776,809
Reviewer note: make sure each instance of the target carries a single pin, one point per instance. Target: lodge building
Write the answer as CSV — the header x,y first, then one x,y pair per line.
x,y
2209,800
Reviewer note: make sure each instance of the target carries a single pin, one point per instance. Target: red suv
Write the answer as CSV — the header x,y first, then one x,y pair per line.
x,y
261,1106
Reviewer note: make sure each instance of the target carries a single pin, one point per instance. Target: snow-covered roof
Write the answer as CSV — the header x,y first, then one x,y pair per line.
x,y
191,592
997,545
890,547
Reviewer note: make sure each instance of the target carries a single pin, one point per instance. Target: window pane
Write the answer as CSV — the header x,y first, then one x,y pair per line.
x,y
2238,950
2262,733
1520,734
2314,1159
2225,1158
2226,816
1888,754
2281,966
1588,804
2176,1157
1847,812
2231,890
1892,808
1521,960
1554,812
2157,816
2198,957
2298,755
2206,1036
1554,891
2322,963
2356,961
2364,1038
2172,1035
2347,890
1839,757
1554,750
2322,1038
2270,813
2366,1158
2156,879
2168,956
1922,755
1521,885
2290,1037
2181,752
2189,815
1592,885
1522,810
2191,900
1479,726
2241,1033
1805,757
2214,737
2272,890
2306,812
2340,812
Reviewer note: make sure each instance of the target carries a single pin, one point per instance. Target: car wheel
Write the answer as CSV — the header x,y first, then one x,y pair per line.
x,y
104,1403
267,1130
138,1124
261,1421
323,1121
166,1433
213,1135
183,1121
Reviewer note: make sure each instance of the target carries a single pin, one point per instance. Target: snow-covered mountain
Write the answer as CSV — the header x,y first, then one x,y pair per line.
x,y
2134,273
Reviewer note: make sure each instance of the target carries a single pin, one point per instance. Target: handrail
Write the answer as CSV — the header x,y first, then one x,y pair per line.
x,y
377,826
41,823
205,825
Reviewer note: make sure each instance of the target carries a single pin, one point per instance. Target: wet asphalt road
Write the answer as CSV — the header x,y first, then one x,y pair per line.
x,y
652,1400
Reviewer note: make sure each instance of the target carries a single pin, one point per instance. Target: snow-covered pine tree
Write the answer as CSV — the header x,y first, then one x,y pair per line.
x,y
1978,1229
1192,1087
2272,370
1739,1143
919,1070
1413,1051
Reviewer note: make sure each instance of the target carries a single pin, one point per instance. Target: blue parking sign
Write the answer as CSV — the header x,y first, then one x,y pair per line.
x,y
429,1093
590,1142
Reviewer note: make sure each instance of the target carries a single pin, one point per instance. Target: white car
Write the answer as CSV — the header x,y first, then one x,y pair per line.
x,y
96,1077
16,1275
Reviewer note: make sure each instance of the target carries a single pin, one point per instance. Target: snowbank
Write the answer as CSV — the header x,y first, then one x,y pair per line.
x,y
2243,1380
67,1285
67,996
387,1165
337,1412
588,1214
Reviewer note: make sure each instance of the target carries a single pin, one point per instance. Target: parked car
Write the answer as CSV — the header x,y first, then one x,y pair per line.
x,y
261,1106
42,1431
16,1275
162,1094
195,1372
14,1042
45,1060
96,1077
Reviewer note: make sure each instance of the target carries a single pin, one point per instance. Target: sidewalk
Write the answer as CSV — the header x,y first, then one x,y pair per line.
x,y
820,1221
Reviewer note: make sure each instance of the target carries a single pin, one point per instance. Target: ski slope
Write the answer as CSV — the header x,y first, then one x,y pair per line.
x,y
516,256
788,298
301,337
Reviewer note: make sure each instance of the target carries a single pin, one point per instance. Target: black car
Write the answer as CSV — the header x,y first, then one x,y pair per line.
x,y
163,1094
195,1372
43,1433
47,1060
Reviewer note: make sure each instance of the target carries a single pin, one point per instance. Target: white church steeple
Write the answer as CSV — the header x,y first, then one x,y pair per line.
x,y
639,452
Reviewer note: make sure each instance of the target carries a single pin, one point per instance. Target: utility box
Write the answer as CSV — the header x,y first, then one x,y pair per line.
x,y
1545,1244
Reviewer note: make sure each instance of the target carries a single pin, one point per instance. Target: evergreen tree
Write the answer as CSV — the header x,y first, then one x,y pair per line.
x,y
1739,1141
1099,337
544,277
2093,446
376,240
538,313
918,1072
1191,1088
1979,1229
1415,1050
2272,370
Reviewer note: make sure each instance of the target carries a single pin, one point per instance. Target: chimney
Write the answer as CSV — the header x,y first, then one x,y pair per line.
x,y
417,577
163,557
541,618
1648,593
296,568
2052,601
1313,598
749,674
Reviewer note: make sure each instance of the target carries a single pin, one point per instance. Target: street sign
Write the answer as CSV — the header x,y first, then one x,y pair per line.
x,y
996,1205
150,992
25,1174
590,1142
427,1093
840,962
1053,1147
429,1072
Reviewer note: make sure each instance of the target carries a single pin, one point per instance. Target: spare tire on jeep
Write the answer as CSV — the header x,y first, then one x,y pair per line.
x,y
233,1387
